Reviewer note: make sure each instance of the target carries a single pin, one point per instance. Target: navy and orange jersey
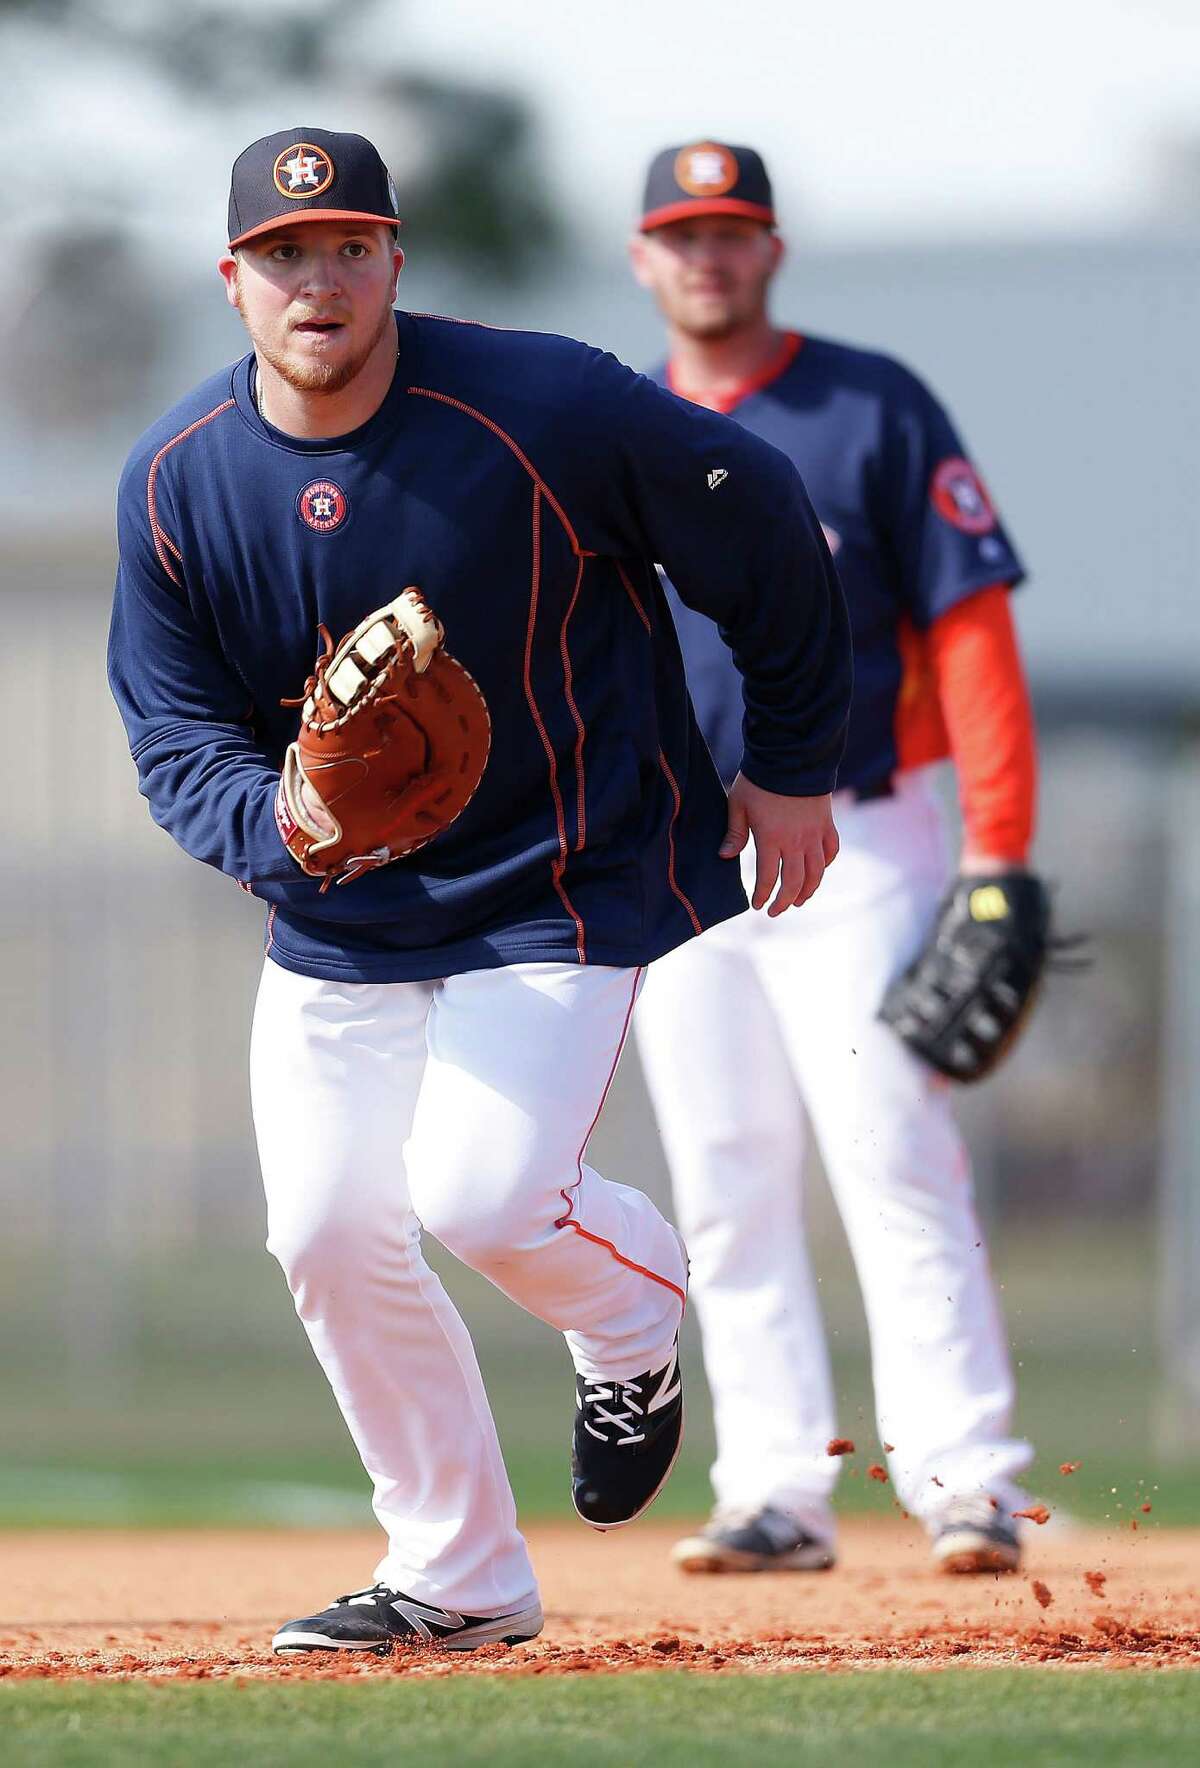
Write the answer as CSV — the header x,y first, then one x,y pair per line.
x,y
911,527
527,485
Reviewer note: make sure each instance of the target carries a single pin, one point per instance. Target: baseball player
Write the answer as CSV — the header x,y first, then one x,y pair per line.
x,y
446,990
774,1024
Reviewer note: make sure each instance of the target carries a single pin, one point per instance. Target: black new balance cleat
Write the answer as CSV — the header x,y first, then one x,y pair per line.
x,y
765,1540
974,1534
379,1619
627,1435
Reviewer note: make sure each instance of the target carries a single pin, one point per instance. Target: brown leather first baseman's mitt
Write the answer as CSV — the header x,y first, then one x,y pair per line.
x,y
394,738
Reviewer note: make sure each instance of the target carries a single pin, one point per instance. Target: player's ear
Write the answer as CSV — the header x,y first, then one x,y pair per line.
x,y
639,259
778,251
228,268
397,267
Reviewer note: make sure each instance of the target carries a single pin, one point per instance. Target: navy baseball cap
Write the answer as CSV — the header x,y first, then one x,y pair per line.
x,y
308,175
706,178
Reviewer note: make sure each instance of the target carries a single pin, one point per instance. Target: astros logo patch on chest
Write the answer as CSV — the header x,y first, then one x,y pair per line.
x,y
322,506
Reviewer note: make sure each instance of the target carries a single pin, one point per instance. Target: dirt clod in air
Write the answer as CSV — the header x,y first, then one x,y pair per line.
x,y
1037,1513
839,1446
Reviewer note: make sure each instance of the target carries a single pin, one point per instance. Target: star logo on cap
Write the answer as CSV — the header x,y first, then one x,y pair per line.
x,y
708,169
303,170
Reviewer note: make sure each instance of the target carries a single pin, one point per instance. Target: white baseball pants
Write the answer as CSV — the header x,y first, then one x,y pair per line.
x,y
742,1033
464,1107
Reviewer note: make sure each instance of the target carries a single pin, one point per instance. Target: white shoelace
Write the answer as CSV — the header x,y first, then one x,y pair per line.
x,y
598,1396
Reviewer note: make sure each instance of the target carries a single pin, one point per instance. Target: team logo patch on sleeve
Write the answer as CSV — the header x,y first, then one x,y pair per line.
x,y
958,495
706,169
322,506
303,170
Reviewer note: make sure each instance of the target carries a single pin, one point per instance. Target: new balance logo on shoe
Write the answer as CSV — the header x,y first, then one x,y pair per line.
x,y
717,476
426,1622
669,1385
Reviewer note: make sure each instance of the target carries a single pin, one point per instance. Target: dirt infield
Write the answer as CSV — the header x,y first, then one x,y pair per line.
x,y
193,1603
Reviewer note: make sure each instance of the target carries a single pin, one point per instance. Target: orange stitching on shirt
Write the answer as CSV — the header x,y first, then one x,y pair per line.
x,y
490,423
695,919
580,796
670,777
559,865
633,596
161,540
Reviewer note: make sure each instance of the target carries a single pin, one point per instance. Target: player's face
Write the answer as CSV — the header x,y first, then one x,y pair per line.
x,y
315,298
709,273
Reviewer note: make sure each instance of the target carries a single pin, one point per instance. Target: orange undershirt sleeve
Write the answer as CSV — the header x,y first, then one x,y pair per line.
x,y
984,699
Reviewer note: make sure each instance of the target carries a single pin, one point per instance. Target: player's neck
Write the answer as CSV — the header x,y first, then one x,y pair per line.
x,y
712,371
298,412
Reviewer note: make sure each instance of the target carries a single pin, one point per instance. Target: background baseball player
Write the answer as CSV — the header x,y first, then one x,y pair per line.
x,y
477,511
762,1025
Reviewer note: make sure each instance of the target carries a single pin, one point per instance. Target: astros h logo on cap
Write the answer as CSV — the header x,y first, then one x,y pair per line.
x,y
303,170
705,170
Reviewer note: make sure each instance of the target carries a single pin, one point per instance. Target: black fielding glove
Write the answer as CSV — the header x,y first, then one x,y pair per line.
x,y
964,999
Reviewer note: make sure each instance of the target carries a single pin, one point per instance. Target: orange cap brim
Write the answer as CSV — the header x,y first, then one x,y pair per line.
x,y
706,205
280,223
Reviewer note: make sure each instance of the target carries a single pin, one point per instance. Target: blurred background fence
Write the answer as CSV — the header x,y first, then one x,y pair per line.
x,y
152,1364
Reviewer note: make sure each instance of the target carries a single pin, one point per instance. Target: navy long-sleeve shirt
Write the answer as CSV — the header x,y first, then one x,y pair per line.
x,y
527,486
907,519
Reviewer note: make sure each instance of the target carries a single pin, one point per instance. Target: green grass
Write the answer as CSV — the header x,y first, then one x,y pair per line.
x,y
968,1718
215,1491
192,1396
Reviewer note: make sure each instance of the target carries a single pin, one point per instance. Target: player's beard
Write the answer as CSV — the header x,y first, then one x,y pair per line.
x,y
712,330
320,377
715,321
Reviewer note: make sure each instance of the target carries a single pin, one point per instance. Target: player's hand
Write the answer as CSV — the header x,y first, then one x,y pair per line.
x,y
316,811
794,841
